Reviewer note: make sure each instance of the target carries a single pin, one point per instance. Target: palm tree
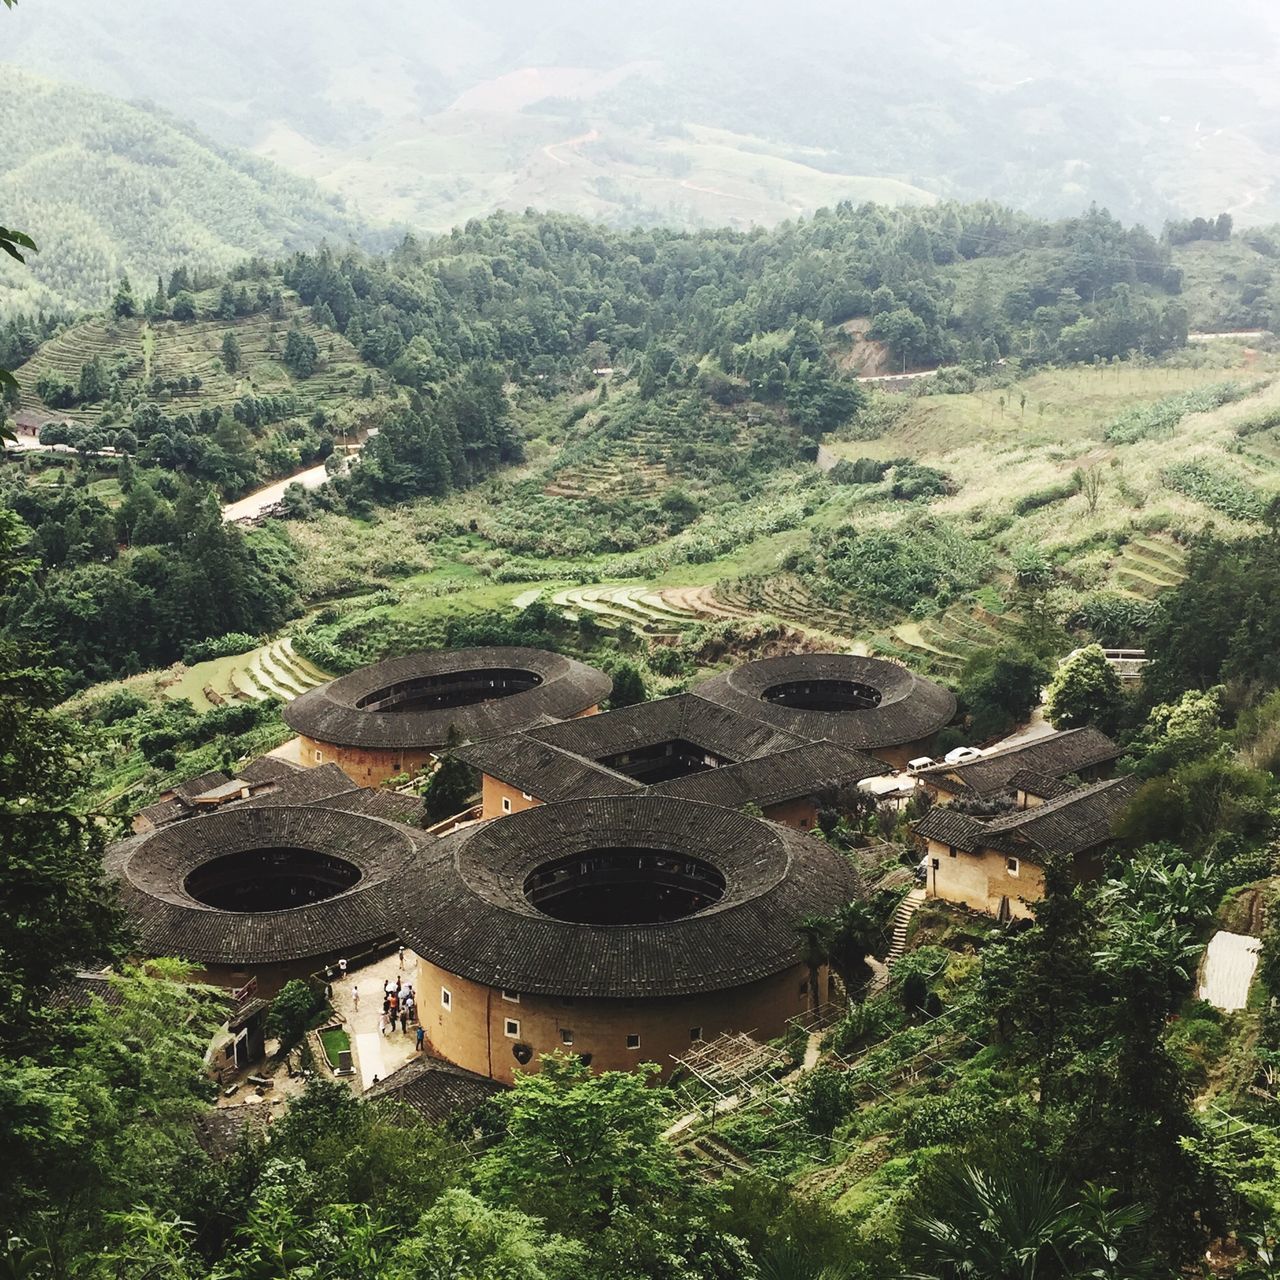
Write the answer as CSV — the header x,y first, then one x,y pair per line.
x,y
1019,1222
816,935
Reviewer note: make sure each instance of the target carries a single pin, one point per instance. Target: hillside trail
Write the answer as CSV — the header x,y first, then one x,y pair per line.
x,y
550,150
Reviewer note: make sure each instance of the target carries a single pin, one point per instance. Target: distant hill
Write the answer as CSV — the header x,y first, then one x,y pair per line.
x,y
710,112
105,188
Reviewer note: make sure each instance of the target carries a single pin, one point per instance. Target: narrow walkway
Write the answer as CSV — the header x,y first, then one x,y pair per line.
x,y
1227,970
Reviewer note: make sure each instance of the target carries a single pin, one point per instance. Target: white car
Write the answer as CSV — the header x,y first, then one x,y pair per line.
x,y
920,762
960,754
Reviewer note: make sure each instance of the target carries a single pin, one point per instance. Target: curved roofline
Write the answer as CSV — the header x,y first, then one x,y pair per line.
x,y
330,713
460,903
911,707
151,872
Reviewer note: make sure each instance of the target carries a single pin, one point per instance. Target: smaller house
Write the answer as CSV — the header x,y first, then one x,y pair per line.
x,y
212,790
1085,753
681,746
997,866
433,1090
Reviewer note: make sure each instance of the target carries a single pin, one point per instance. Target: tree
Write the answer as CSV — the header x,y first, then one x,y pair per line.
x,y
628,685
596,1142
290,1011
93,381
1089,482
231,357
460,1236
57,913
449,788
300,353
124,305
1000,687
817,935
184,306
1085,691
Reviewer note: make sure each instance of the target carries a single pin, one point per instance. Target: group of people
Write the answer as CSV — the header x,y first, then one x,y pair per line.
x,y
399,1005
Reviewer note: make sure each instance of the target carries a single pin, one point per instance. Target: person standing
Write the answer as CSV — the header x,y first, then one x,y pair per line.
x,y
404,1022
382,1023
355,996
342,966
400,957
419,1038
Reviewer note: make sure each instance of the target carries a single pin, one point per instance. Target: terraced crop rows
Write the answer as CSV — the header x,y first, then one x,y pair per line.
x,y
638,607
271,671
1147,566
945,643
186,350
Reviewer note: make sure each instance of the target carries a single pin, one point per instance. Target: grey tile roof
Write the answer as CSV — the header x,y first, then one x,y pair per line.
x,y
460,902
434,1089
1082,819
332,712
799,771
544,771
909,708
307,786
151,872
1056,754
1044,786
267,769
199,785
562,761
721,730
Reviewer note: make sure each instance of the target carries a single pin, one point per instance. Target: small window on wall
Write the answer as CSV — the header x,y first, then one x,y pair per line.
x,y
566,1036
512,997
512,1029
506,804
446,998
522,1053
633,1042
1011,866
319,756
804,987
695,1034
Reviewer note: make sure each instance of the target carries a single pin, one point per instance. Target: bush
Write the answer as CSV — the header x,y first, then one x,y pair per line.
x,y
858,471
226,646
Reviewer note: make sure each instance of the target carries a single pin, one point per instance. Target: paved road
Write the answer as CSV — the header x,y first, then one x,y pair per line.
x,y
1227,969
258,502
254,504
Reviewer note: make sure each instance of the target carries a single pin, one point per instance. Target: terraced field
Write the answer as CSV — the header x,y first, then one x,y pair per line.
x,y
171,350
652,612
1147,566
640,466
943,644
272,670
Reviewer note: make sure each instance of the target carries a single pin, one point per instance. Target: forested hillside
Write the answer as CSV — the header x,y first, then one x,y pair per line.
x,y
666,394
106,189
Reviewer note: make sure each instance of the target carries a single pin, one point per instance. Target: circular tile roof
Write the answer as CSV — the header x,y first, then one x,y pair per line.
x,y
152,873
909,707
461,902
333,712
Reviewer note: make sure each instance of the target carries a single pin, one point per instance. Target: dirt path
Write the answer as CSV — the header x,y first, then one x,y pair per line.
x,y
550,150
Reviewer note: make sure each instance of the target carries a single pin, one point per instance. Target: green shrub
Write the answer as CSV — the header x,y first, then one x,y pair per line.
x,y
1226,493
1147,420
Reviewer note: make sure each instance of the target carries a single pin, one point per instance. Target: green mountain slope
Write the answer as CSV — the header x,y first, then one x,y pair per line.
x,y
105,187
